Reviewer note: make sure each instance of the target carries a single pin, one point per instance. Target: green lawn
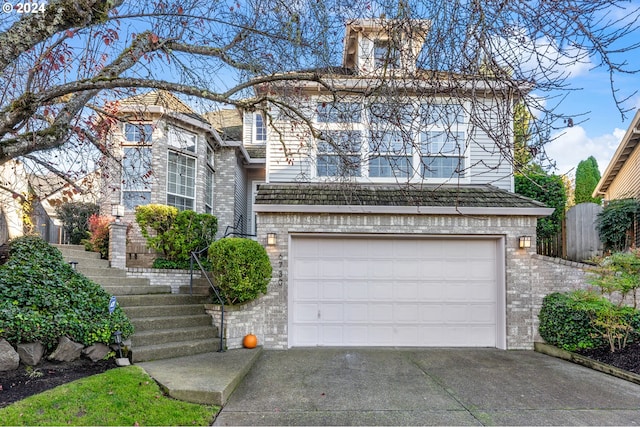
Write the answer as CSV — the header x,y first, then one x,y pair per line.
x,y
122,396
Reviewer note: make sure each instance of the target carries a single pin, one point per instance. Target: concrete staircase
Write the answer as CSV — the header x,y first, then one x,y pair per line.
x,y
166,325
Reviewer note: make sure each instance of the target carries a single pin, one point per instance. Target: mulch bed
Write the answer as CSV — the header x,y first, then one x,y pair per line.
x,y
627,359
26,381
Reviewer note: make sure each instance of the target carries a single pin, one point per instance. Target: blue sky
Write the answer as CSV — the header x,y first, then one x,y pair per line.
x,y
600,130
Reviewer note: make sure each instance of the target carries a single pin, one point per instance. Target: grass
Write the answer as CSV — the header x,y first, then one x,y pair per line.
x,y
123,396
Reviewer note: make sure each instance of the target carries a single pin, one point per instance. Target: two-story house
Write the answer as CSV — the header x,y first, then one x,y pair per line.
x,y
388,207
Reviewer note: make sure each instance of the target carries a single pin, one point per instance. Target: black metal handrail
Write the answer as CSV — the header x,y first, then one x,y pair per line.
x,y
195,257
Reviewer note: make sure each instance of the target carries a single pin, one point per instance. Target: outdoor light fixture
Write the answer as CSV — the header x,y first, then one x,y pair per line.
x,y
117,210
271,239
524,242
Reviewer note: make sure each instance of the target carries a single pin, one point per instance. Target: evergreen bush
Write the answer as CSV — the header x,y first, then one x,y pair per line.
x,y
175,233
583,320
241,269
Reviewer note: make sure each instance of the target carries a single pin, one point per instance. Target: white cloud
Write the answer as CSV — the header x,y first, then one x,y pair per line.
x,y
542,58
572,145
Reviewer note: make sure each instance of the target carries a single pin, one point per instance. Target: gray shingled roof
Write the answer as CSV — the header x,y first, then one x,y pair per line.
x,y
391,195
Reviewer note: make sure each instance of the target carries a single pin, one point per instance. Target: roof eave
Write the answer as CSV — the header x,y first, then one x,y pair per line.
x,y
538,212
627,145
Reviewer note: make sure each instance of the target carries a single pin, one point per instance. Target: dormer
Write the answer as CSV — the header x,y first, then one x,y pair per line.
x,y
383,45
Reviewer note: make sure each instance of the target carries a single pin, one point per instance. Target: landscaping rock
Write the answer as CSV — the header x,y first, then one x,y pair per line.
x,y
31,353
67,351
9,358
96,352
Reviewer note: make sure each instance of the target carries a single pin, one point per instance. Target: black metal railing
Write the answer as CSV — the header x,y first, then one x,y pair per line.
x,y
237,230
195,259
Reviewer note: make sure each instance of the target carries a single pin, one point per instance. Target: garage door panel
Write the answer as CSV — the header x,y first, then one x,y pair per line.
x,y
406,291
304,312
393,292
331,290
307,290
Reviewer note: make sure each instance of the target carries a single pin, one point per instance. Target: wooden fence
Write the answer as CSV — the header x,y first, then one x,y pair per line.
x,y
578,239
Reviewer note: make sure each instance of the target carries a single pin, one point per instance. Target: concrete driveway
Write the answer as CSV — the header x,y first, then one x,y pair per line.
x,y
329,386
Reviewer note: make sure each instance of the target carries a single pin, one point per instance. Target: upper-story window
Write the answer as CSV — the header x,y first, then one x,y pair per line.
x,y
183,140
138,133
442,142
260,130
137,174
339,112
391,140
181,181
385,54
339,153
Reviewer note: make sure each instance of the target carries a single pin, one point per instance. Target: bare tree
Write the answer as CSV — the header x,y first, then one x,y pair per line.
x,y
62,67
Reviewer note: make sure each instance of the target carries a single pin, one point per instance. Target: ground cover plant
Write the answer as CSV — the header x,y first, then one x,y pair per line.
x,y
123,396
42,299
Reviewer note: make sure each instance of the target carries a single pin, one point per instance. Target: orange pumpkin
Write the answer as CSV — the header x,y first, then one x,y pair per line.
x,y
250,341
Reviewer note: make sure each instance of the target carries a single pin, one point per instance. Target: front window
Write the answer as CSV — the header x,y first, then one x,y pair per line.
x,y
138,133
208,191
137,177
442,155
339,153
183,140
181,181
390,156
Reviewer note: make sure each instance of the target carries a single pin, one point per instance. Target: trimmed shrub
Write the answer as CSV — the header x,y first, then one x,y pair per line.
x,y
42,298
75,219
241,269
583,320
175,233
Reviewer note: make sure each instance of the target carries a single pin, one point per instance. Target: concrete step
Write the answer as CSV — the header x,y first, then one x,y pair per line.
x,y
175,349
207,378
89,262
77,252
137,312
100,271
164,322
139,290
147,338
160,299
195,290
108,280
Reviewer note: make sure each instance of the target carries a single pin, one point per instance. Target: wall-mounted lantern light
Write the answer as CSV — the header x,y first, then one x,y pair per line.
x,y
117,210
271,239
524,242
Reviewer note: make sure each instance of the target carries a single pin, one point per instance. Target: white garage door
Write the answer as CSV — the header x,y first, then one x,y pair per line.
x,y
370,291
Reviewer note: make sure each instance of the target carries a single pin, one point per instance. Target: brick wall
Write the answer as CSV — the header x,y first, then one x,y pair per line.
x,y
160,277
528,277
239,321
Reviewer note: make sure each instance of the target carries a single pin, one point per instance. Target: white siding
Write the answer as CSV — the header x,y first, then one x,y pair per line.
x,y
290,154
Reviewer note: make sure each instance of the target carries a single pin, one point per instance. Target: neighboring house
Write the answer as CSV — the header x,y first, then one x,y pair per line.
x,y
29,200
395,223
621,178
163,152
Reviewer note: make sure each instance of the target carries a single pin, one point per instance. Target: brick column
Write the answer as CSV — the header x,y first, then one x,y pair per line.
x,y
118,245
